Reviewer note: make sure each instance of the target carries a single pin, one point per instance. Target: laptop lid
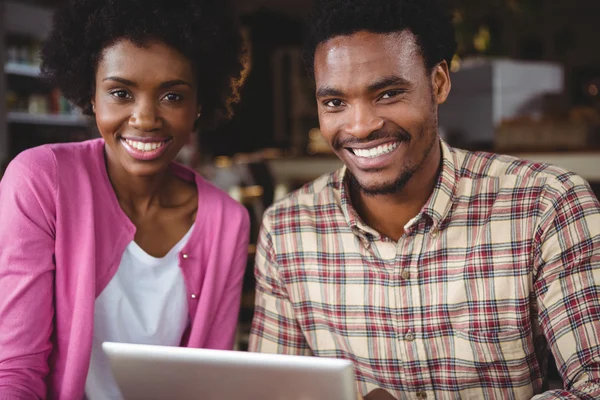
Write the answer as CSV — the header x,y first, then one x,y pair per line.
x,y
160,372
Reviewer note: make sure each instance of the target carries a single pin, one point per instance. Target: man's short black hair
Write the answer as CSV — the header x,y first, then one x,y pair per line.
x,y
429,20
202,30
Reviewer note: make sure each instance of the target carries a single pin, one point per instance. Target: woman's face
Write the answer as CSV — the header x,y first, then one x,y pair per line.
x,y
145,104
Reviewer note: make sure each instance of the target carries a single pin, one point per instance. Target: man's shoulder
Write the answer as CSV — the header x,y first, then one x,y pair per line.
x,y
309,200
510,169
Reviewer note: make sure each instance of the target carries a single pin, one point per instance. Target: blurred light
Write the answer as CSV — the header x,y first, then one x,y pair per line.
x,y
514,6
314,133
593,90
252,192
223,162
459,17
455,64
482,39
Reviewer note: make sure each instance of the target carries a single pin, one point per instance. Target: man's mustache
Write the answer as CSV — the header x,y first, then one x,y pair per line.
x,y
398,134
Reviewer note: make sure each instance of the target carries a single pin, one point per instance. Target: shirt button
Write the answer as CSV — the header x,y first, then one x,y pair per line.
x,y
434,233
421,394
409,336
405,274
193,296
185,255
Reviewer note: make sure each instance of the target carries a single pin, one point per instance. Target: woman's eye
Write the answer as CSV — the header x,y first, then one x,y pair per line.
x,y
172,97
334,103
121,94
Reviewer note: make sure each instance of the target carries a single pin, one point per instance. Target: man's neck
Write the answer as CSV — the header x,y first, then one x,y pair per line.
x,y
388,214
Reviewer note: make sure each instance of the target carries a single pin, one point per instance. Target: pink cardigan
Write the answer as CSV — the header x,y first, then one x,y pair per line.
x,y
62,235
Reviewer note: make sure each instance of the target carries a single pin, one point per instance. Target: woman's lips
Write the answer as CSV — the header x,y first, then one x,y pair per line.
x,y
145,149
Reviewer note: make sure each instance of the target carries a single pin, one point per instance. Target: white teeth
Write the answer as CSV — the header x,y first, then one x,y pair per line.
x,y
144,146
375,151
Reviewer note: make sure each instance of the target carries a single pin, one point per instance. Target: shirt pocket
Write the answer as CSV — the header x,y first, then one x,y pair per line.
x,y
495,359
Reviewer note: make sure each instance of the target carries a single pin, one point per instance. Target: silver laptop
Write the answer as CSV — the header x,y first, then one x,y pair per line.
x,y
161,372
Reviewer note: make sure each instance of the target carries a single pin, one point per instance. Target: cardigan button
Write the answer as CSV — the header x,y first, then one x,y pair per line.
x,y
193,296
185,255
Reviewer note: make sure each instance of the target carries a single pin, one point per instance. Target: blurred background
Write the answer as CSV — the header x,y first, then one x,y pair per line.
x,y
526,82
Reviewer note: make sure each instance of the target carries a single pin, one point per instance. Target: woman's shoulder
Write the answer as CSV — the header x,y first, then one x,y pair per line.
x,y
52,156
215,201
220,210
48,167
220,199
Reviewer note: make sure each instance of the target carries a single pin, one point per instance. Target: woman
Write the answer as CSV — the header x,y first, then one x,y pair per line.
x,y
109,240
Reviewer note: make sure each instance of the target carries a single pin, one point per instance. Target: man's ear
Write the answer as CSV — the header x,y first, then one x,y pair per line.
x,y
440,82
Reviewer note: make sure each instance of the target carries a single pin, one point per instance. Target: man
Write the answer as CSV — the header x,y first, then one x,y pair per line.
x,y
440,273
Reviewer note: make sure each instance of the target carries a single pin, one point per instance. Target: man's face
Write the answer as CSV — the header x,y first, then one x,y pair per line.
x,y
377,106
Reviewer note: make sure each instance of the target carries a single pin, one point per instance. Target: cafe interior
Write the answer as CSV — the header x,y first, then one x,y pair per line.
x,y
525,82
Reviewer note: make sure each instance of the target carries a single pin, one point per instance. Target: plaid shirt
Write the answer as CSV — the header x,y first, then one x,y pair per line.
x,y
502,261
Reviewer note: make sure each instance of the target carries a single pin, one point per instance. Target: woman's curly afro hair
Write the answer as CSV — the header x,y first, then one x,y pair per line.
x,y
429,20
202,30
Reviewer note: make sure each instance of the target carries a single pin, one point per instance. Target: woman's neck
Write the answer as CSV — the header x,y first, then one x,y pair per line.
x,y
139,194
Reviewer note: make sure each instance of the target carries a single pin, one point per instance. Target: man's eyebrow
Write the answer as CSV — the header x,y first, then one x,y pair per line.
x,y
379,84
327,91
387,81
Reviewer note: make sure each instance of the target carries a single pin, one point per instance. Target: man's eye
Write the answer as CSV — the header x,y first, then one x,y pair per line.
x,y
334,103
390,94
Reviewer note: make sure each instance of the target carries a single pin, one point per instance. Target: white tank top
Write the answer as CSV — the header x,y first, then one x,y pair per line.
x,y
146,303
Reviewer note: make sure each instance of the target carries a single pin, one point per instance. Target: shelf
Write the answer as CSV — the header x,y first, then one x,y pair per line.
x,y
584,164
18,117
289,171
22,70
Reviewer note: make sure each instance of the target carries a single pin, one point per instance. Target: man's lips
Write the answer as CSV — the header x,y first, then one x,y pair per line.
x,y
372,144
375,151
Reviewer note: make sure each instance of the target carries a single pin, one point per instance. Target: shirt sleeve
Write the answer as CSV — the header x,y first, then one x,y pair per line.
x,y
567,287
274,326
27,216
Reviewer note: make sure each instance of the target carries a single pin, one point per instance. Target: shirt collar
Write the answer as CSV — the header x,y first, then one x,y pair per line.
x,y
436,208
440,202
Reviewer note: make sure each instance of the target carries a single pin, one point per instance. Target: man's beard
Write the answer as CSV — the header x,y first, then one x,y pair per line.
x,y
408,171
385,188
396,186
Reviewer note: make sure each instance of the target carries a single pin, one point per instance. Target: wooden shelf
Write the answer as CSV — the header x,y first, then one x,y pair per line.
x,y
584,164
289,171
18,117
22,70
